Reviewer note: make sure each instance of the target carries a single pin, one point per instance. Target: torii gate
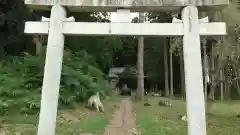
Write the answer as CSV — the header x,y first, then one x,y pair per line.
x,y
58,26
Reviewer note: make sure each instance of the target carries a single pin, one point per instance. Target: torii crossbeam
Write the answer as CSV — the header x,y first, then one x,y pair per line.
x,y
133,5
130,29
58,25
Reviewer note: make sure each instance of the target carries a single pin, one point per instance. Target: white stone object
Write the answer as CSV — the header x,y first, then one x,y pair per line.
x,y
203,20
52,71
193,72
127,29
123,16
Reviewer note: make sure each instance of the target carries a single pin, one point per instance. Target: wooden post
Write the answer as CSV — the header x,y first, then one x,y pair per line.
x,y
166,71
171,75
140,82
193,72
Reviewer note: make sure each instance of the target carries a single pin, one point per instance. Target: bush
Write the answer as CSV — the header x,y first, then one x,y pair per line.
x,y
21,81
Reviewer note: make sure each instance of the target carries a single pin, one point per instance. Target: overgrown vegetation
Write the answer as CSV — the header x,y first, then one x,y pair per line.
x,y
21,81
156,120
74,121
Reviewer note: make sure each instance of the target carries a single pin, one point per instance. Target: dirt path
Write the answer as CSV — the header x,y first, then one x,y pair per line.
x,y
123,121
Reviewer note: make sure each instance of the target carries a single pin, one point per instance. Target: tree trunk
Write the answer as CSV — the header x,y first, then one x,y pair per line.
x,y
212,68
219,77
166,67
37,39
222,61
214,83
205,70
226,84
182,76
140,82
238,69
238,75
221,85
171,76
39,47
215,69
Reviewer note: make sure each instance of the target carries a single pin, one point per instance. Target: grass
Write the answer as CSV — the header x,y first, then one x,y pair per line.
x,y
156,120
69,121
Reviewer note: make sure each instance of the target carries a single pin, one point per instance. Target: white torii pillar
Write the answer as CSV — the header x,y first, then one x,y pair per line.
x,y
52,71
58,26
193,71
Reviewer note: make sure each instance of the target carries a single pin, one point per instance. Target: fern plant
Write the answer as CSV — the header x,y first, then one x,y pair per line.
x,y
21,81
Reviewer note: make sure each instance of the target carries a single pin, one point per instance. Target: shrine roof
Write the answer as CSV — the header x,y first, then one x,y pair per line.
x,y
133,5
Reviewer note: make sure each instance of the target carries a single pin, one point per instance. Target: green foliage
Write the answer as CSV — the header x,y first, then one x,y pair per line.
x,y
176,44
153,59
21,81
165,121
13,15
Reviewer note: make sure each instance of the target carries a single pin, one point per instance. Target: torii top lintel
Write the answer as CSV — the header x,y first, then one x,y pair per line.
x,y
133,5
